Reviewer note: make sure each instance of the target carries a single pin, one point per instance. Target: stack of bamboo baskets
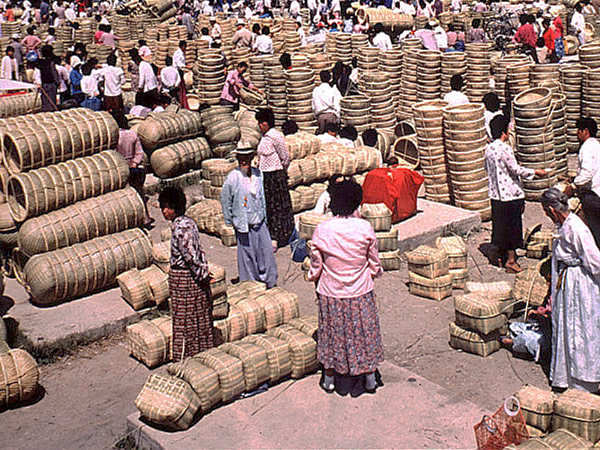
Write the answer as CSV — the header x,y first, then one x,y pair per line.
x,y
478,70
456,250
571,78
453,63
429,273
380,218
299,86
356,111
429,75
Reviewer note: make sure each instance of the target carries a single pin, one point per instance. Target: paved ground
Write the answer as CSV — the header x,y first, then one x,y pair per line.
x,y
89,395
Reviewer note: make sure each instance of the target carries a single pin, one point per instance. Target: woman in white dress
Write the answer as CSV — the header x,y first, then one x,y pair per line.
x,y
575,299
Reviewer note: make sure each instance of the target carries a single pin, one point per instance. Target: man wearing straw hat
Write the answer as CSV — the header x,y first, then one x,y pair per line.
x,y
242,38
244,208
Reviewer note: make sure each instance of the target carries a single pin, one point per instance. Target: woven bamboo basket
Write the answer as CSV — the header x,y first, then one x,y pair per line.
x,y
236,324
228,238
20,376
203,380
456,250
229,369
471,342
387,240
501,291
149,341
390,260
254,361
378,215
427,261
537,406
167,128
288,301
459,278
220,307
545,237
579,412
308,223
221,328
158,281
38,191
278,354
530,287
135,289
168,401
478,313
565,439
437,288
83,268
175,159
272,310
303,349
218,282
253,314
307,325
536,250
161,254
252,287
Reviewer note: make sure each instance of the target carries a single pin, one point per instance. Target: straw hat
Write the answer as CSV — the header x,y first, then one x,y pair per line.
x,y
243,148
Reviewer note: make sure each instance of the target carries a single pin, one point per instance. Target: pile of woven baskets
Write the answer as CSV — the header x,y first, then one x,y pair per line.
x,y
380,218
208,215
70,222
17,105
571,79
567,420
222,130
429,273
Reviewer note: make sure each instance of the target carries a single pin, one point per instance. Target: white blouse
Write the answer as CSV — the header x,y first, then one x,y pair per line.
x,y
504,172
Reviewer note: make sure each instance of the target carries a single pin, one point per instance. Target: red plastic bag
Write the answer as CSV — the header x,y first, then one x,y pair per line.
x,y
505,427
395,186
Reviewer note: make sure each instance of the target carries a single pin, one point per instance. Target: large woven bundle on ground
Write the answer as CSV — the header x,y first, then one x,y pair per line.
x,y
158,281
308,325
530,287
203,380
229,369
427,261
161,255
378,215
253,314
168,401
537,406
564,439
387,240
17,105
434,288
287,300
278,354
68,273
218,282
469,341
149,341
303,349
50,188
166,128
181,157
98,216
571,77
578,411
501,291
456,250
236,324
38,140
308,222
254,360
272,310
222,131
135,290
478,313
19,377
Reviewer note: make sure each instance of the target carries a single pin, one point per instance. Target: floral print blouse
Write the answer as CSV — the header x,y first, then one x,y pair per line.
x,y
186,249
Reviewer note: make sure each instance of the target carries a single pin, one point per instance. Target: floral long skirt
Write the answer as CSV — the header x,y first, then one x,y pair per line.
x,y
191,306
349,337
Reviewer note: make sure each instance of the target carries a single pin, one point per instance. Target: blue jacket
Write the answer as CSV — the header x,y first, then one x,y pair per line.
x,y
235,204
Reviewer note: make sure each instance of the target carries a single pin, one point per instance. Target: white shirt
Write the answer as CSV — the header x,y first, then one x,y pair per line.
x,y
382,41
588,172
207,38
407,8
114,79
504,173
578,22
456,6
169,77
335,6
326,99
89,86
263,44
488,116
456,98
302,35
9,69
295,8
148,79
63,77
346,142
179,59
70,14
327,138
311,5
440,37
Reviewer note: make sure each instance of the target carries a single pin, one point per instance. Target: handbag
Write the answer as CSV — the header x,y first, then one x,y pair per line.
x,y
505,427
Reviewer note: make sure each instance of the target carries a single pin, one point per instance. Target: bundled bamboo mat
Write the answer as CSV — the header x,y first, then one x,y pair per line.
x,y
253,314
64,274
537,406
168,401
272,310
303,349
229,369
471,342
579,412
278,355
50,188
307,325
179,158
254,361
478,313
427,261
19,376
99,216
149,341
202,379
167,128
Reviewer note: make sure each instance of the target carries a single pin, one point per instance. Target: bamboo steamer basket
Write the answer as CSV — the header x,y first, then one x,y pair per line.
x,y
436,289
230,371
303,349
471,342
158,281
254,362
20,377
135,289
168,401
478,313
427,261
98,216
464,113
533,99
278,354
178,158
149,341
578,412
203,380
50,188
64,274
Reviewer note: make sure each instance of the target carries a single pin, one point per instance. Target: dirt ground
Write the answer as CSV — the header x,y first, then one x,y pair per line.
x,y
89,394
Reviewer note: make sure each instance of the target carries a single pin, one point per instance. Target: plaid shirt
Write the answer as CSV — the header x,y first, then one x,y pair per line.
x,y
272,152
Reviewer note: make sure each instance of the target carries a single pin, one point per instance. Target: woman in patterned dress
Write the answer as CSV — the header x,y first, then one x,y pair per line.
x,y
273,162
189,279
344,260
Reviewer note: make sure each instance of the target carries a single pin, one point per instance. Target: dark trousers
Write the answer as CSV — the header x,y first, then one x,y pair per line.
x,y
591,209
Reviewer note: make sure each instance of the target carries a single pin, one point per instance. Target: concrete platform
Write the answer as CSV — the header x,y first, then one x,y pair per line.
x,y
407,412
